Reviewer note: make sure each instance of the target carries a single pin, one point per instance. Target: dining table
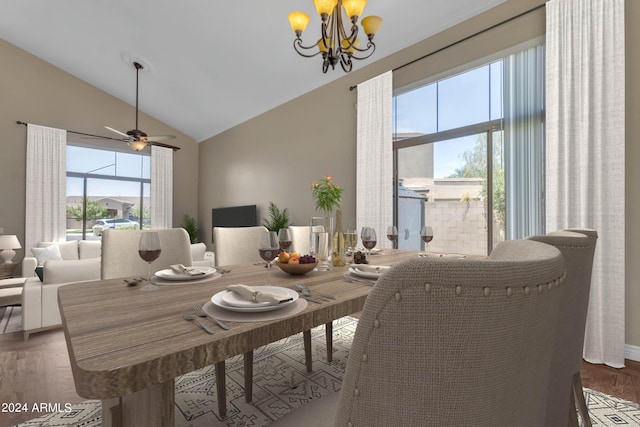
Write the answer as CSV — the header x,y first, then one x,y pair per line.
x,y
127,345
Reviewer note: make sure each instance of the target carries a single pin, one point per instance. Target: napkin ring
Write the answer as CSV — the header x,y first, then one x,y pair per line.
x,y
254,296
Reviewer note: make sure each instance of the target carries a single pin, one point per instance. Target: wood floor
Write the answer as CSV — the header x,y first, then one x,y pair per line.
x,y
38,371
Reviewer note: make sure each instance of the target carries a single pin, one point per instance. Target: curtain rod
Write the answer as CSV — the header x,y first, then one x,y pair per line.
x,y
463,39
91,135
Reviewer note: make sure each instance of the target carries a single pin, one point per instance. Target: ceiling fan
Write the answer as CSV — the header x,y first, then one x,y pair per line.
x,y
135,138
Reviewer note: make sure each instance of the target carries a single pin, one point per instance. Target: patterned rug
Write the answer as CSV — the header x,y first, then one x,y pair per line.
x,y
281,384
10,319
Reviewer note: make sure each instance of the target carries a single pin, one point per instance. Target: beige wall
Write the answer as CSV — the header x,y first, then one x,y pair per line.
x,y
34,91
275,156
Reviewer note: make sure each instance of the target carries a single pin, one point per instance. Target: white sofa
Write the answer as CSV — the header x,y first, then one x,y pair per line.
x,y
80,263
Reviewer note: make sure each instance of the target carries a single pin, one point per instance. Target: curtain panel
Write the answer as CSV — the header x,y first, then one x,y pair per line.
x,y
161,187
585,153
46,186
374,169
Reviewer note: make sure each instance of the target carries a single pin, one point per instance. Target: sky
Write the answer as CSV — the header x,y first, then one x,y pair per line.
x,y
471,97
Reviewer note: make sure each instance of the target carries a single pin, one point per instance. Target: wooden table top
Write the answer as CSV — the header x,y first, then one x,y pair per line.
x,y
122,339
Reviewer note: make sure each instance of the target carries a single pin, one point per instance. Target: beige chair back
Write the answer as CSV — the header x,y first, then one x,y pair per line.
x,y
120,252
237,245
456,342
301,238
578,248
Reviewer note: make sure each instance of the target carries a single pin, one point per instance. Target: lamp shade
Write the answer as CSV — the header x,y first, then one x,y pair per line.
x,y
138,145
349,47
371,24
9,241
325,6
322,46
354,7
298,21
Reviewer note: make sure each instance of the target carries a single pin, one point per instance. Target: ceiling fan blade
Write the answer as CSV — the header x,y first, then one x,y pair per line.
x,y
160,137
118,132
160,144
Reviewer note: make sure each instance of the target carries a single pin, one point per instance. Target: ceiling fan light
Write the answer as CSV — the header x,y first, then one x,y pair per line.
x,y
354,7
371,24
325,6
298,21
138,145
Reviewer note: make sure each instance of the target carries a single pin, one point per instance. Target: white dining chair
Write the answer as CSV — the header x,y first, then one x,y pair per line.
x,y
237,245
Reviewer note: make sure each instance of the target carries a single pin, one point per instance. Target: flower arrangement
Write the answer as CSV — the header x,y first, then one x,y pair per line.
x,y
326,194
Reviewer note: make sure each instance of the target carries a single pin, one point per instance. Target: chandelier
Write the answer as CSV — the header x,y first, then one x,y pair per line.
x,y
336,44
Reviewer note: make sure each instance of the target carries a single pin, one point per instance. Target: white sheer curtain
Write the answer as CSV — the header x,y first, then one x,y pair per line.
x,y
524,142
374,169
585,124
46,189
161,187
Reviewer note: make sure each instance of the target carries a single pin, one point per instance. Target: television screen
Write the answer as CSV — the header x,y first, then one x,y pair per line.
x,y
234,216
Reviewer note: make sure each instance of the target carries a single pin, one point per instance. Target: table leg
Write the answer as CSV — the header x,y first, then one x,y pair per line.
x,y
306,336
329,337
150,407
221,389
248,376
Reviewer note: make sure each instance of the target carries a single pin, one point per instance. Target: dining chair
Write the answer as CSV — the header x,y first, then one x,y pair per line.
x,y
448,341
237,245
565,384
120,252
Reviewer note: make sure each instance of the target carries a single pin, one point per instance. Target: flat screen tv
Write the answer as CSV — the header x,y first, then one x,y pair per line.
x,y
235,216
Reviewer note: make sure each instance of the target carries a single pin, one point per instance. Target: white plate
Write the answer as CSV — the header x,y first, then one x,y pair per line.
x,y
374,251
170,274
218,301
235,300
436,255
366,270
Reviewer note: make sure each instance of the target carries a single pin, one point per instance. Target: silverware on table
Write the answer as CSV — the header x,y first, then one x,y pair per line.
x,y
308,292
189,316
200,312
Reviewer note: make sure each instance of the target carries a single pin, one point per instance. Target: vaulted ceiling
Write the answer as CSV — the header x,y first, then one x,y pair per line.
x,y
209,65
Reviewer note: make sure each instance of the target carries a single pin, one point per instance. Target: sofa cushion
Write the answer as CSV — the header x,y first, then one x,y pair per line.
x,y
46,254
80,270
68,250
90,249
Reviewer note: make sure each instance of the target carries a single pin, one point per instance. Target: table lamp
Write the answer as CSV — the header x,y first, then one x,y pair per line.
x,y
8,242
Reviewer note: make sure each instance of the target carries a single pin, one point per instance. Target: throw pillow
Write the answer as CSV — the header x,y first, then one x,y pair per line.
x,y
40,273
45,254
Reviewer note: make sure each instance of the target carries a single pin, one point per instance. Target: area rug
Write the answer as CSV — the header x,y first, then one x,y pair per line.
x,y
282,384
10,319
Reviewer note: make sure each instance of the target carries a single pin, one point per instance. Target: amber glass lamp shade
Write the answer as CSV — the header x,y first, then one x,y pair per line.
x,y
354,7
298,21
325,6
371,24
347,48
323,48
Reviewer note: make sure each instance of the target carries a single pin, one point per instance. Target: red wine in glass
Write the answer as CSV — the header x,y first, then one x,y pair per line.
x,y
369,244
368,237
427,235
149,256
268,254
285,244
392,233
268,250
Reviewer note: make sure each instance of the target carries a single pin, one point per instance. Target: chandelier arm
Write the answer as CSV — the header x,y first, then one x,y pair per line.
x,y
297,45
371,47
351,38
346,63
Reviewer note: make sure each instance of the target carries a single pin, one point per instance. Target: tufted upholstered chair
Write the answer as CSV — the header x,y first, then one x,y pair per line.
x,y
455,342
120,252
565,385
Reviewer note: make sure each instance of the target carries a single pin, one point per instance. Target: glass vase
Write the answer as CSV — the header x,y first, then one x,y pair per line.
x,y
321,241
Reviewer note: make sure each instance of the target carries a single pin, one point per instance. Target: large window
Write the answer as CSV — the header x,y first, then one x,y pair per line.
x,y
106,189
455,141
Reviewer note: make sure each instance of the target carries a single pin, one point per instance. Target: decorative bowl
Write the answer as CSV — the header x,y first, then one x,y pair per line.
x,y
297,269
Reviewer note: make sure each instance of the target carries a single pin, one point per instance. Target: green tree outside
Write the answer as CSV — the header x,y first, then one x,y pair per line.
x,y
94,211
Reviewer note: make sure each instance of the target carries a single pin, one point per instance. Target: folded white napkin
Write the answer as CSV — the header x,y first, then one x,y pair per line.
x,y
367,268
250,294
189,271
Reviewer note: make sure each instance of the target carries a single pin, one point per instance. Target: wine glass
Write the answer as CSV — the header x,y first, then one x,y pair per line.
x,y
426,233
284,237
149,250
392,233
368,237
268,250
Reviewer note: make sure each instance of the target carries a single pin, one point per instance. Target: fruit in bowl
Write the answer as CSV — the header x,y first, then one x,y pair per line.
x,y
295,264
